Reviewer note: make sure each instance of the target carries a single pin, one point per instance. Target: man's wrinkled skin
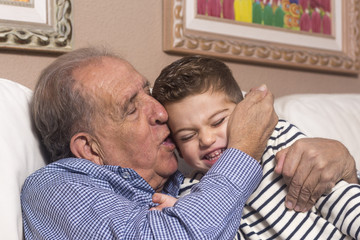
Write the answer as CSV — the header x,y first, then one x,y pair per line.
x,y
311,167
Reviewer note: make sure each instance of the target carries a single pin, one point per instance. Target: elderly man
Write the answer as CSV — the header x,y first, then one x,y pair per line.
x,y
110,152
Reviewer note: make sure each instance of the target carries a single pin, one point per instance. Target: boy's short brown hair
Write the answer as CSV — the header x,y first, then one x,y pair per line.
x,y
195,75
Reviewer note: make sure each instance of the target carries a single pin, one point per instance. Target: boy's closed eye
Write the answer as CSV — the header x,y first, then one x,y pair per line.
x,y
186,137
219,122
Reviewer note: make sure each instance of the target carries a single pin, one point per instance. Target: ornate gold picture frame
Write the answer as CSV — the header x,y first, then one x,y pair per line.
x,y
38,25
186,32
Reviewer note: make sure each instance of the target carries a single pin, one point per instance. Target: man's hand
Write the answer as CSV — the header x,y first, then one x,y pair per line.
x,y
311,167
163,200
252,122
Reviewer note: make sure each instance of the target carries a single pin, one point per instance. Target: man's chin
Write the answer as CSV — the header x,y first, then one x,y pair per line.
x,y
169,162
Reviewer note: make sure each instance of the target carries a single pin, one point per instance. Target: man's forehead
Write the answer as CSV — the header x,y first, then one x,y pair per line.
x,y
107,72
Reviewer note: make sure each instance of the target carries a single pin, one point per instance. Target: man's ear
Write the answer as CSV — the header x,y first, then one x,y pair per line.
x,y
84,145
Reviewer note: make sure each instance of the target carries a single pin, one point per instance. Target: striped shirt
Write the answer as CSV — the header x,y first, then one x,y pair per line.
x,y
77,199
335,216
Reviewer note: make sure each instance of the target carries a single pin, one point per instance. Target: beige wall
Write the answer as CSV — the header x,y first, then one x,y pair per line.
x,y
133,28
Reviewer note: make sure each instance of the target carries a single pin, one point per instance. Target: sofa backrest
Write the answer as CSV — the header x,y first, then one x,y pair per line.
x,y
20,154
335,116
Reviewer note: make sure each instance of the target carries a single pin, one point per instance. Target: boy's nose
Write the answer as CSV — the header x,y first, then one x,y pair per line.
x,y
206,139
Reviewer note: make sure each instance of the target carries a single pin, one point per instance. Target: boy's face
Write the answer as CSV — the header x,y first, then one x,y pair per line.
x,y
198,124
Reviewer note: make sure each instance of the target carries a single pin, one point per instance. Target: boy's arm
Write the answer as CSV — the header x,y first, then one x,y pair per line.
x,y
342,208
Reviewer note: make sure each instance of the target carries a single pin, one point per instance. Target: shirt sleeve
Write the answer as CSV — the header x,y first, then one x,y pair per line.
x,y
77,210
342,208
214,207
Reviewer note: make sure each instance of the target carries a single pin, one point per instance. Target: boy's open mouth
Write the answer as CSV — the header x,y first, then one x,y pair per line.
x,y
214,155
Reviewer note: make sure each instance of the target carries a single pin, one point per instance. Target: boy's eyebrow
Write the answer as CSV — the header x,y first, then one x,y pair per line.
x,y
182,129
190,129
216,113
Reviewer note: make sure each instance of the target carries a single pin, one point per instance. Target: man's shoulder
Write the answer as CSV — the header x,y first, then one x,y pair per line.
x,y
65,170
71,165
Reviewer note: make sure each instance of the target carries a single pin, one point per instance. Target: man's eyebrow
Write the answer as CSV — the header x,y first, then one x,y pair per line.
x,y
146,84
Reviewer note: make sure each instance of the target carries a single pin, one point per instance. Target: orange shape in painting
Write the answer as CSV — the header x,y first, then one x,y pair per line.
x,y
295,22
294,10
288,20
286,5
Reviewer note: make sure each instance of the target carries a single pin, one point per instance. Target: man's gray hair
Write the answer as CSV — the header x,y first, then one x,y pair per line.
x,y
59,108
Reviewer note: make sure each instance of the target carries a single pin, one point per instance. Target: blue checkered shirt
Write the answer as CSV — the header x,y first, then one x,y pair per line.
x,y
77,199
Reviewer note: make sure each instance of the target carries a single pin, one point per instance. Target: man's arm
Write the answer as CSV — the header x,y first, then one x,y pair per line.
x,y
311,167
213,209
68,200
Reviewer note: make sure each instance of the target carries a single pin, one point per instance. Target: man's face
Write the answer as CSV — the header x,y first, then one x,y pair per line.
x,y
198,124
132,131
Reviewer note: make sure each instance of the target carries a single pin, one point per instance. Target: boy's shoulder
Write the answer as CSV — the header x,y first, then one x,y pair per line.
x,y
189,182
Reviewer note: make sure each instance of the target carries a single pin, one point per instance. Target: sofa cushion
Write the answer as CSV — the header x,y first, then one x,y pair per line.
x,y
335,116
20,154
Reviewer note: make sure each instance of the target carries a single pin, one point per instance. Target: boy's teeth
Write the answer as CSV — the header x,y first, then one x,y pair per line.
x,y
213,155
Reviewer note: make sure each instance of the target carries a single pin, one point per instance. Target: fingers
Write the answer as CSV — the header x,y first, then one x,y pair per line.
x,y
280,159
296,173
163,200
252,122
290,158
257,94
157,198
300,193
311,167
317,192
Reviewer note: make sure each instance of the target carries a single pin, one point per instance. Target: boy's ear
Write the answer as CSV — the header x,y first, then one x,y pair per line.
x,y
84,145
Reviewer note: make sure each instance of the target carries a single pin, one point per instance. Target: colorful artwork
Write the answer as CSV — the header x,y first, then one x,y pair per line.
x,y
12,1
299,15
22,3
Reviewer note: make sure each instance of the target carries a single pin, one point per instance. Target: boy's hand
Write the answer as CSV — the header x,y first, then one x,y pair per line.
x,y
163,200
311,167
252,122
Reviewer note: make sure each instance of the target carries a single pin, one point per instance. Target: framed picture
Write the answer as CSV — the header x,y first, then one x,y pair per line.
x,y
40,25
329,42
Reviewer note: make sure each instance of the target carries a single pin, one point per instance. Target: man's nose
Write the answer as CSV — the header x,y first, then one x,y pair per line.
x,y
157,113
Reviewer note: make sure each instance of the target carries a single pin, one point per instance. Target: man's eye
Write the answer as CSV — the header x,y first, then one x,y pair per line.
x,y
131,111
217,123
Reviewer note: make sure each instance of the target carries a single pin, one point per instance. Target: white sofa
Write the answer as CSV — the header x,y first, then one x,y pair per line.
x,y
335,116
331,115
20,154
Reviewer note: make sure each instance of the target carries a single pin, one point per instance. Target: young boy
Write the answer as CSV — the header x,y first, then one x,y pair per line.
x,y
199,94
